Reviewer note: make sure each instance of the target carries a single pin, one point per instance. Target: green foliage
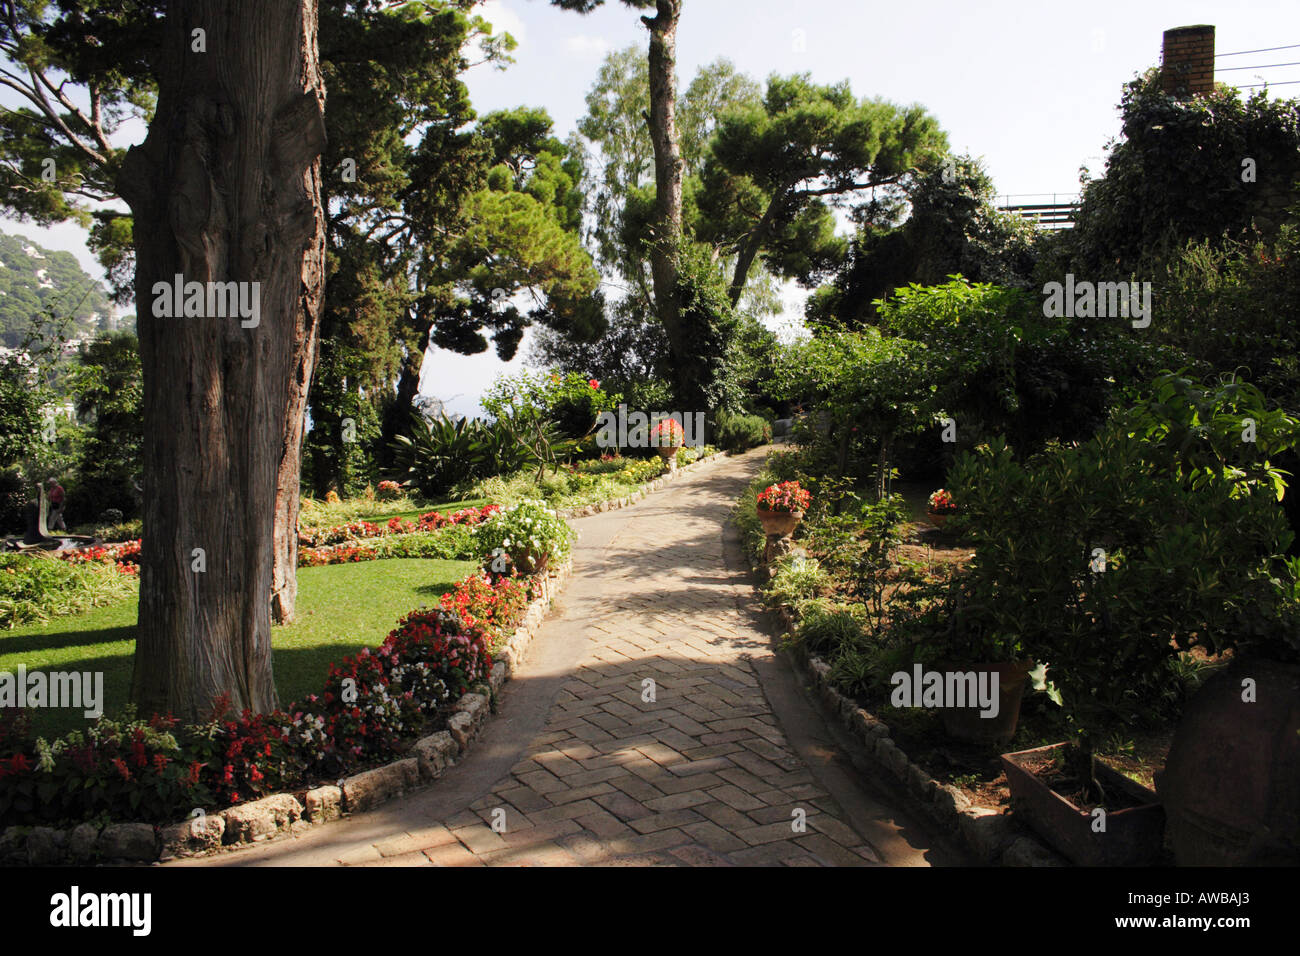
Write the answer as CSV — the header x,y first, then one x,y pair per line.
x,y
444,452
615,124
574,485
1233,307
775,168
21,418
1176,175
865,387
528,534
1105,559
736,433
824,627
953,228
37,587
797,579
450,543
109,388
1002,368
700,353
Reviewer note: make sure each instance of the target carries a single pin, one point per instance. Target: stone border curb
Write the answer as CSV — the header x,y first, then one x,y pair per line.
x,y
614,504
990,836
281,814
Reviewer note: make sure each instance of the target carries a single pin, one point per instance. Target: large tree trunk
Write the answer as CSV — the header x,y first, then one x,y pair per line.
x,y
668,168
753,242
226,188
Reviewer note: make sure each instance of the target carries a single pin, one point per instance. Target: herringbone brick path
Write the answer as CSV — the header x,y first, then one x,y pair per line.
x,y
661,747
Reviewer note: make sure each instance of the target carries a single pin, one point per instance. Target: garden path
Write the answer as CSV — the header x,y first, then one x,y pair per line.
x,y
712,771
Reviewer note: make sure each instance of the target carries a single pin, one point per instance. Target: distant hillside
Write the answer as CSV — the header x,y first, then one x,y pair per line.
x,y
39,282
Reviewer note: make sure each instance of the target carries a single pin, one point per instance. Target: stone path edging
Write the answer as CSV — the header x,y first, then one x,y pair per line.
x,y
280,814
613,504
989,835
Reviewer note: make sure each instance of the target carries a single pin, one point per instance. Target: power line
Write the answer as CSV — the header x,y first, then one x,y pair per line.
x,y
1261,66
1254,86
1267,49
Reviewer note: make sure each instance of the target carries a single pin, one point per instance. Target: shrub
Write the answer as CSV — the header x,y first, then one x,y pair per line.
x,y
388,491
825,628
451,543
14,496
441,452
123,531
1106,559
36,587
492,604
736,433
527,534
797,579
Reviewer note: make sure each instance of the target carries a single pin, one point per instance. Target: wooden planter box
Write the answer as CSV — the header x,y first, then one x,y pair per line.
x,y
1133,837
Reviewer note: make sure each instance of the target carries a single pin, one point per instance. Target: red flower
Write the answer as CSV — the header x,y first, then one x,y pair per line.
x,y
593,383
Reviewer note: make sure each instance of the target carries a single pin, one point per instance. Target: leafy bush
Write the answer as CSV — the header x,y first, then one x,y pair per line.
x,y
577,484
451,543
13,501
1164,183
797,579
442,452
528,534
736,433
571,402
122,531
1106,559
36,587
824,628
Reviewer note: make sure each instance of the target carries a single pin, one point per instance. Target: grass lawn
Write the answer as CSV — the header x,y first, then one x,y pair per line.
x,y
341,608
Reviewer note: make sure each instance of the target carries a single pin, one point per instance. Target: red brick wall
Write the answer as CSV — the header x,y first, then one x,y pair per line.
x,y
1187,63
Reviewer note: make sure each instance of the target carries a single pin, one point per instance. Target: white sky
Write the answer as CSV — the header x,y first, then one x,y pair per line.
x,y
1029,85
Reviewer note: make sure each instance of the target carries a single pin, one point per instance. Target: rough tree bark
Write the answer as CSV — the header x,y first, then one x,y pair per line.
x,y
225,188
668,167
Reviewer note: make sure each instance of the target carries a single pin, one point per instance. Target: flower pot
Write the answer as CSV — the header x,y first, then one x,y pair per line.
x,y
525,562
1132,837
669,455
779,523
965,723
938,519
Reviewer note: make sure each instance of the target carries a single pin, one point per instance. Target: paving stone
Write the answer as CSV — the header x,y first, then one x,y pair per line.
x,y
702,776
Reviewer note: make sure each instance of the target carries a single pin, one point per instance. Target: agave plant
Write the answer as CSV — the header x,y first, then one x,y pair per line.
x,y
440,452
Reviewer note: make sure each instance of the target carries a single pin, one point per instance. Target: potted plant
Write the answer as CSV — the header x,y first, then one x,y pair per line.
x,y
666,437
781,507
954,636
1090,812
525,537
941,508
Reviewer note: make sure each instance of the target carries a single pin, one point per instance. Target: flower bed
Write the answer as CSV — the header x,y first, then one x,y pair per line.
x,y
363,530
125,556
36,587
372,706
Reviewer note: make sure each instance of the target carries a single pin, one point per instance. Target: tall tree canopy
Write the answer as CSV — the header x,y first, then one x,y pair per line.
x,y
778,169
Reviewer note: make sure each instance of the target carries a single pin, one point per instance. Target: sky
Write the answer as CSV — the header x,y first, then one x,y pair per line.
x,y
1030,86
